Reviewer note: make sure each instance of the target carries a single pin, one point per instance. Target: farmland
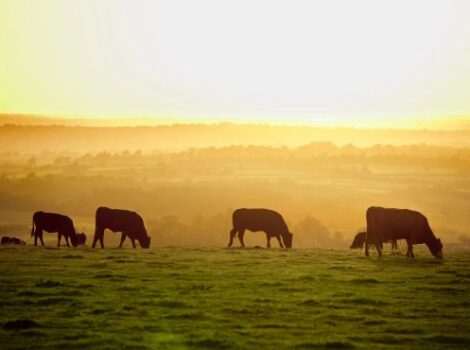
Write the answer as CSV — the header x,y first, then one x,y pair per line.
x,y
177,297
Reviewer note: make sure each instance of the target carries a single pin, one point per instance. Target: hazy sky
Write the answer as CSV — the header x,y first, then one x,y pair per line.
x,y
364,61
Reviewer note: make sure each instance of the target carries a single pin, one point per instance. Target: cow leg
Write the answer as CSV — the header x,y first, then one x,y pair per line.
x,y
133,243
36,237
379,246
366,247
98,237
280,241
394,244
59,236
409,251
241,233
268,238
123,238
67,240
232,236
40,237
95,239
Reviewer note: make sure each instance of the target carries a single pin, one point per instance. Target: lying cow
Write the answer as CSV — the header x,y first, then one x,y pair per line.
x,y
11,240
51,222
360,239
269,221
129,223
392,224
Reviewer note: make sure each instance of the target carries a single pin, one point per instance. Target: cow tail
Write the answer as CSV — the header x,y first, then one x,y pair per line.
x,y
371,234
32,229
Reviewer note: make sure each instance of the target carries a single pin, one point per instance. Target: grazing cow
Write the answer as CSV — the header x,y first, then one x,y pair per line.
x,y
61,224
360,239
269,221
129,223
386,223
12,240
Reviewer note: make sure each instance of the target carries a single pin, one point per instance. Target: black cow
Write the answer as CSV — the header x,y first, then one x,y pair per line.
x,y
269,221
51,222
129,223
360,239
11,240
388,223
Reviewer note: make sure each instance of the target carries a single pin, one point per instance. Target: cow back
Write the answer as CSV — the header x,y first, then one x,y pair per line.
x,y
259,220
119,220
52,222
391,224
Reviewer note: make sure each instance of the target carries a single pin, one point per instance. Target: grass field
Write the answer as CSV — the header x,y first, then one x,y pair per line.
x,y
215,298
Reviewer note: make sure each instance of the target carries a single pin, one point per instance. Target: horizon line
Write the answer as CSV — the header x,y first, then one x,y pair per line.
x,y
431,123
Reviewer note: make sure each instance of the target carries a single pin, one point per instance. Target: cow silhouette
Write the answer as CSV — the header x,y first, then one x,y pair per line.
x,y
129,223
11,240
360,240
51,222
269,221
390,223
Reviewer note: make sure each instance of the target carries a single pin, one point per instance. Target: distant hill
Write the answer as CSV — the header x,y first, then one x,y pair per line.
x,y
23,119
38,134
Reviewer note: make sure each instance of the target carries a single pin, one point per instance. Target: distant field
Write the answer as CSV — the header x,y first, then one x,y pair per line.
x,y
231,298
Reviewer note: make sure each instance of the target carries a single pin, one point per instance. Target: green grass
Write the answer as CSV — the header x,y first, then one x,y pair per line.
x,y
215,298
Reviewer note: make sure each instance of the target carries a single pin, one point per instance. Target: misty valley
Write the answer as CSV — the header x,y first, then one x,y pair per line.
x,y
187,197
189,290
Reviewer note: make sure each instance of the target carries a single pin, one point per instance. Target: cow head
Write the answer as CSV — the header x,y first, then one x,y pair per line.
x,y
287,238
145,242
358,241
436,248
80,239
356,245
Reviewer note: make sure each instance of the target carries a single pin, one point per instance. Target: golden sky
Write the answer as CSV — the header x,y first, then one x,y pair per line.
x,y
362,62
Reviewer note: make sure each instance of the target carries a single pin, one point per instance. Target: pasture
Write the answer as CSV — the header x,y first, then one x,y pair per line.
x,y
231,298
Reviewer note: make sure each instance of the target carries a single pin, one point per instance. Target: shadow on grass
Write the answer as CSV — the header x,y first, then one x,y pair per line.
x,y
390,340
210,343
73,257
20,324
55,301
310,302
375,322
191,316
364,281
449,339
48,284
172,304
445,290
363,301
326,345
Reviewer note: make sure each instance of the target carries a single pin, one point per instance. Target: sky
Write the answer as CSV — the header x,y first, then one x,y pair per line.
x,y
335,62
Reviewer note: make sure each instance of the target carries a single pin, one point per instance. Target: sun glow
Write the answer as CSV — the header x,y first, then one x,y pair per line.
x,y
330,62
